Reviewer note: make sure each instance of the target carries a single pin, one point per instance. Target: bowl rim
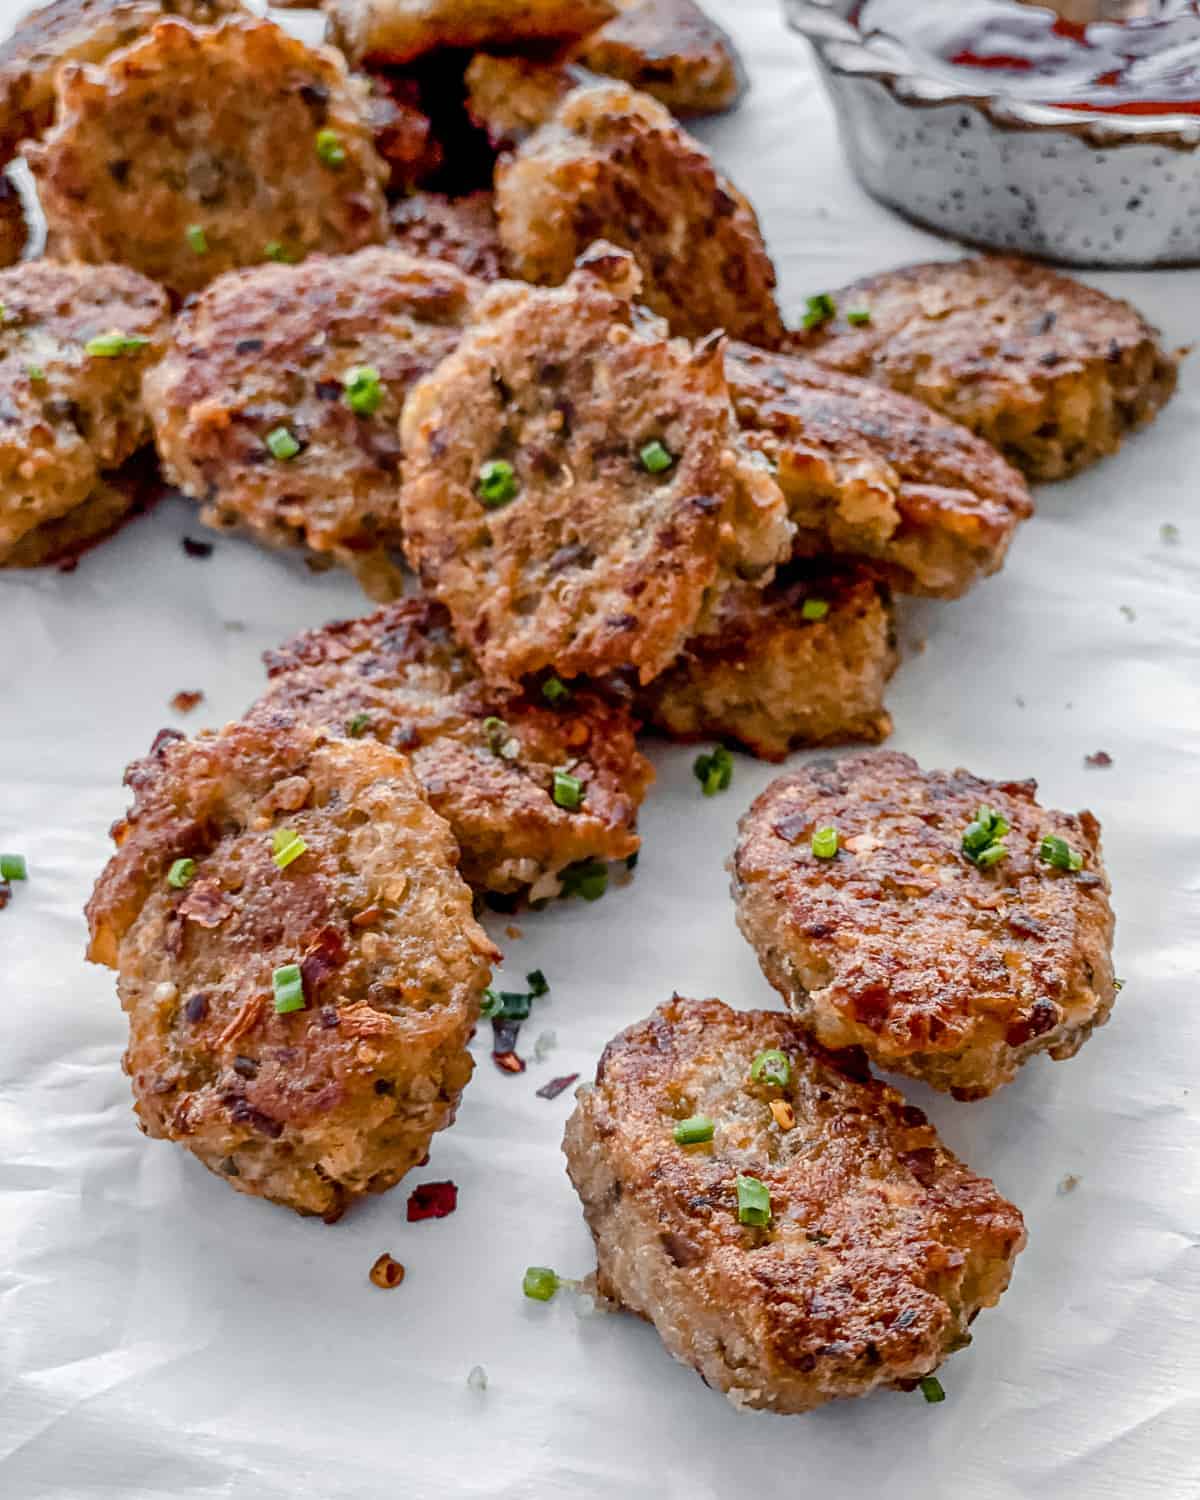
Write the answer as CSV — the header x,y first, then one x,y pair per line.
x,y
842,49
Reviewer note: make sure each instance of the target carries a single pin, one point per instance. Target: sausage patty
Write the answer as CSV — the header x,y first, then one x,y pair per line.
x,y
671,49
459,230
396,31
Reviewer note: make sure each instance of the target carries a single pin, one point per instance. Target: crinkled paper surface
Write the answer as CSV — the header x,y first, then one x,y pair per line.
x,y
162,1336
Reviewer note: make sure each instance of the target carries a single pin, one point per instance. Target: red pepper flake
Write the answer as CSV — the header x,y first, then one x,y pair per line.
x,y
367,917
432,1200
5,894
325,954
508,1062
386,1272
184,701
196,548
1098,758
556,1086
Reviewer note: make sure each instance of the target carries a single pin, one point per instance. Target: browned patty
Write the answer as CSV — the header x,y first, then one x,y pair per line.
x,y
116,498
75,31
396,31
275,349
936,966
671,49
771,676
508,96
1051,371
881,1246
485,757
593,563
268,155
402,132
612,164
314,1107
460,230
873,474
68,416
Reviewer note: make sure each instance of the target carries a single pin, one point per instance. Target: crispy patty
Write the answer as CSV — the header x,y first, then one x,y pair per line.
x,y
949,970
115,498
67,415
460,230
75,31
624,505
802,662
1051,371
276,349
195,151
612,164
508,97
485,757
396,31
311,1107
671,49
872,474
881,1245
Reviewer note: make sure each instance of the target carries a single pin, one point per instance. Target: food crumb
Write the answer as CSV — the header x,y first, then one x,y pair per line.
x,y
185,700
238,625
386,1272
545,1044
585,1305
5,894
556,1086
1068,1185
1019,701
785,1115
1098,758
1169,534
513,932
432,1200
194,547
477,1378
1128,611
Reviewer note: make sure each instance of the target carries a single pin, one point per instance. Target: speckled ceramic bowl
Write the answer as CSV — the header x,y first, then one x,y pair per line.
x,y
1092,190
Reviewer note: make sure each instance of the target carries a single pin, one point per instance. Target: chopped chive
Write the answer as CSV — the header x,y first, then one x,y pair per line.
x,y
36,373
491,1004
858,316
181,872
363,391
540,1283
555,691
197,239
990,856
814,609
568,790
357,725
538,986
13,867
656,459
111,345
772,1067
714,771
818,310
497,483
753,1202
282,444
508,1005
931,1389
694,1131
287,846
1058,853
496,733
588,879
330,151
982,840
273,250
825,843
288,984
1118,985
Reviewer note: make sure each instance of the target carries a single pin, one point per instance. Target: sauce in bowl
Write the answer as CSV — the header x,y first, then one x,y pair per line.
x,y
1149,65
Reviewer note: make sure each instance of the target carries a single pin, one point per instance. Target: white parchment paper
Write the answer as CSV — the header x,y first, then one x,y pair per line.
x,y
161,1336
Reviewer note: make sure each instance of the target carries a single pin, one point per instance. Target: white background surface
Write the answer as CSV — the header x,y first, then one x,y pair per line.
x,y
162,1336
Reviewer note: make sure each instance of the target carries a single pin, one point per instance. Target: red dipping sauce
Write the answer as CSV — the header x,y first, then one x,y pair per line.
x,y
1146,66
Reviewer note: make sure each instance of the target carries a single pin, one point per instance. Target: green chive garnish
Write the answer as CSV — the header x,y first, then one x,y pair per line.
x,y
36,373
288,984
818,310
13,867
273,250
287,846
282,444
491,1004
568,790
772,1067
695,1131
330,151
363,391
825,843
588,879
814,609
357,725
714,772
982,840
858,316
1058,853
655,458
753,1202
197,239
537,984
110,345
495,731
497,483
555,690
181,872
931,1389
540,1283
990,856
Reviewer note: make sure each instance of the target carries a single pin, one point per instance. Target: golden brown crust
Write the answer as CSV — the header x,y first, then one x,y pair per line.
x,y
274,347
246,104
1052,372
66,415
116,498
459,230
671,49
485,757
771,679
596,564
901,945
509,97
397,31
882,1245
612,164
313,1108
874,474
75,31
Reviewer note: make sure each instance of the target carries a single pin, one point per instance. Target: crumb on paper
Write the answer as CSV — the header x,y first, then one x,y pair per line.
x,y
1098,758
1129,612
1019,701
513,932
477,1378
235,625
1169,534
545,1044
386,1272
186,699
194,547
432,1200
556,1086
1068,1185
5,894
